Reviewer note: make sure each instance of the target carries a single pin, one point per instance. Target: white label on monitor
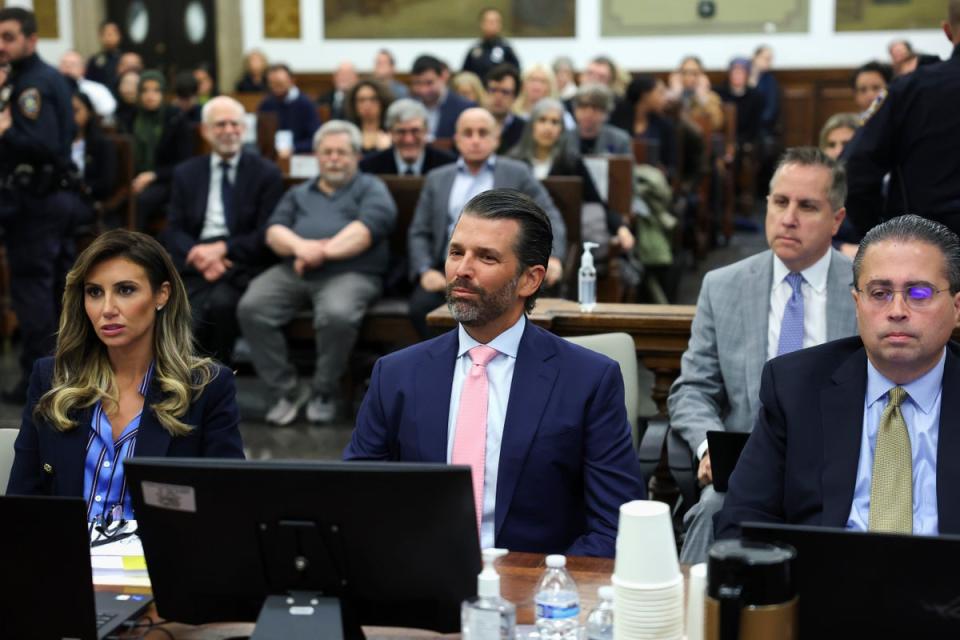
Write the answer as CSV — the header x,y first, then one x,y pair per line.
x,y
175,497
304,165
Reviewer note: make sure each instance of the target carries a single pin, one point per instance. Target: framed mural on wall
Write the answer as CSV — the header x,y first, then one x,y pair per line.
x,y
697,17
281,19
378,19
895,15
47,18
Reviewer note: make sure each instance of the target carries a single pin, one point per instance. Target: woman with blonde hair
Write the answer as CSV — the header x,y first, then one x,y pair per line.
x,y
125,381
537,83
468,85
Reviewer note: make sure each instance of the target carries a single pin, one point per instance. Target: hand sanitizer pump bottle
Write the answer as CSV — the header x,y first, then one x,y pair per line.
x,y
488,616
588,278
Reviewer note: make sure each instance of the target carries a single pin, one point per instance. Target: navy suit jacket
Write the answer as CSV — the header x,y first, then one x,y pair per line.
x,y
51,462
385,163
453,105
566,459
258,186
800,463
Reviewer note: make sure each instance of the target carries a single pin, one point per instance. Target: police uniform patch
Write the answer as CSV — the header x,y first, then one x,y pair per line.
x,y
874,106
29,103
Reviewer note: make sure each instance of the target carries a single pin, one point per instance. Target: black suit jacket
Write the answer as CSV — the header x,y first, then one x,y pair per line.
x,y
384,162
453,105
800,463
510,135
259,186
51,462
100,166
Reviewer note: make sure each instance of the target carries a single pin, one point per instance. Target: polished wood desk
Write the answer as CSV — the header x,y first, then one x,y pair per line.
x,y
660,332
519,573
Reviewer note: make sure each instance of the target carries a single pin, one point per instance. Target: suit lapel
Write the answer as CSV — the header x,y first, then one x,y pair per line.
x,y
74,458
202,194
445,187
152,439
534,375
841,411
756,316
434,376
948,446
840,315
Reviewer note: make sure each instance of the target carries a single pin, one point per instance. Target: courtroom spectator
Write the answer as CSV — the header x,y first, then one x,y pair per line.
x,y
101,97
443,106
93,154
384,70
332,234
692,87
367,104
763,80
905,60
344,79
566,77
469,87
868,82
162,138
857,434
748,101
409,155
793,296
544,148
591,108
537,83
836,133
649,123
503,85
254,78
445,192
295,112
216,223
129,60
491,49
123,382
540,422
206,84
185,96
128,91
102,66
604,71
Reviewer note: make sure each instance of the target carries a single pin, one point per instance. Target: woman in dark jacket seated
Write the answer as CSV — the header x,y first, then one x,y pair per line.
x,y
162,138
94,155
544,147
124,381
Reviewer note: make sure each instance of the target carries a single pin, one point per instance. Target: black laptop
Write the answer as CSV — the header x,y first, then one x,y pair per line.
x,y
871,585
725,448
46,588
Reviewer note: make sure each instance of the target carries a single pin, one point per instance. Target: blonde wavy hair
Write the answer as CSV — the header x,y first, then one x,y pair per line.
x,y
82,374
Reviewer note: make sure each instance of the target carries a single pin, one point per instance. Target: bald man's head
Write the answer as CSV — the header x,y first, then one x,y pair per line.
x,y
951,26
477,136
72,65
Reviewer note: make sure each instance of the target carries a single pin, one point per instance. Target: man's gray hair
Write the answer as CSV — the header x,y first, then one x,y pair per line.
x,y
913,228
594,95
339,126
814,157
404,109
206,115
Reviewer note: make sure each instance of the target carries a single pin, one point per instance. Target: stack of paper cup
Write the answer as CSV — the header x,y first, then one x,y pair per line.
x,y
647,583
696,590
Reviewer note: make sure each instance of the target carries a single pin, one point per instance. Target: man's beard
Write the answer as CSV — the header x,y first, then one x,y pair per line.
x,y
483,309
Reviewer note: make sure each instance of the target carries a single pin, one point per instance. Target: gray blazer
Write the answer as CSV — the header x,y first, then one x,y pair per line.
x,y
611,141
427,236
719,383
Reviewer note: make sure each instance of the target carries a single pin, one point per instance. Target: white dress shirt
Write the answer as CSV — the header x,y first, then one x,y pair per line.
x,y
499,379
215,222
814,289
100,97
403,165
465,186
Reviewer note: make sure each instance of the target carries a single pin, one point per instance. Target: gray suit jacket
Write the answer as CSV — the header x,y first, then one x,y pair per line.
x,y
719,383
611,141
427,236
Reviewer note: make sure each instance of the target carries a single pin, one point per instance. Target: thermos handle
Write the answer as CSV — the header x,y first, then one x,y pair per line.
x,y
730,606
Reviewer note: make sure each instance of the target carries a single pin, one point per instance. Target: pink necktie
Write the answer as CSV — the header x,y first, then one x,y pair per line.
x,y
470,438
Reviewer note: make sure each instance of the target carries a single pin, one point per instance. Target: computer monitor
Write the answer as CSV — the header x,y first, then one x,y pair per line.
x,y
871,585
396,543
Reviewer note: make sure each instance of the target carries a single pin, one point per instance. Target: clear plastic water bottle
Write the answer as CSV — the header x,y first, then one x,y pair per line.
x,y
600,620
557,602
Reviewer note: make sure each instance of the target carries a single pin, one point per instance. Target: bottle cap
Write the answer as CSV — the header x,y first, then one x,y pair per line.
x,y
556,561
586,260
488,582
606,593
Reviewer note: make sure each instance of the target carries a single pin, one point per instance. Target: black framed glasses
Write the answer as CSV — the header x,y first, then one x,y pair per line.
x,y
915,296
110,528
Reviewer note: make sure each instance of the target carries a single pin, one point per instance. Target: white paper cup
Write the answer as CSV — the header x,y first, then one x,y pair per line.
x,y
283,140
646,551
696,589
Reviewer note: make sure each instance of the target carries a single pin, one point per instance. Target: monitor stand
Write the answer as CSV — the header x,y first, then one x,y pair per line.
x,y
300,615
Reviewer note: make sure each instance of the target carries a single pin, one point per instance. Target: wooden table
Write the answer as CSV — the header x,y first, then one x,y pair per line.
x,y
660,332
519,573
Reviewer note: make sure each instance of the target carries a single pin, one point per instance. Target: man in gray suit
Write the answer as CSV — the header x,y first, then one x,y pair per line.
x,y
444,193
795,295
592,106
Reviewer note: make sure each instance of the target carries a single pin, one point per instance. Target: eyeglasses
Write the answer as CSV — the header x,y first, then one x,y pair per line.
x,y
916,296
111,528
415,132
502,92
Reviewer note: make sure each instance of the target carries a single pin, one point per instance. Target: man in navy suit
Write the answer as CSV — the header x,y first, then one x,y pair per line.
x,y
555,457
861,433
443,106
410,155
296,113
217,218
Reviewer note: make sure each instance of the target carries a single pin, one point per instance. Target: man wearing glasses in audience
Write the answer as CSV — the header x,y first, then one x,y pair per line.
x,y
848,433
409,155
503,85
793,296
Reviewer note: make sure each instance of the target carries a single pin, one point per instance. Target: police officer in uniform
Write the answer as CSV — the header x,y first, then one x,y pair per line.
x,y
912,135
36,130
492,50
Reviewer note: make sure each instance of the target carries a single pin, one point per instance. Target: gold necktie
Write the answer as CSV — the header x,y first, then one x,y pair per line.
x,y
891,489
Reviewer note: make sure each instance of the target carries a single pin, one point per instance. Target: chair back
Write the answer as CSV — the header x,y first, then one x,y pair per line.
x,y
7,436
